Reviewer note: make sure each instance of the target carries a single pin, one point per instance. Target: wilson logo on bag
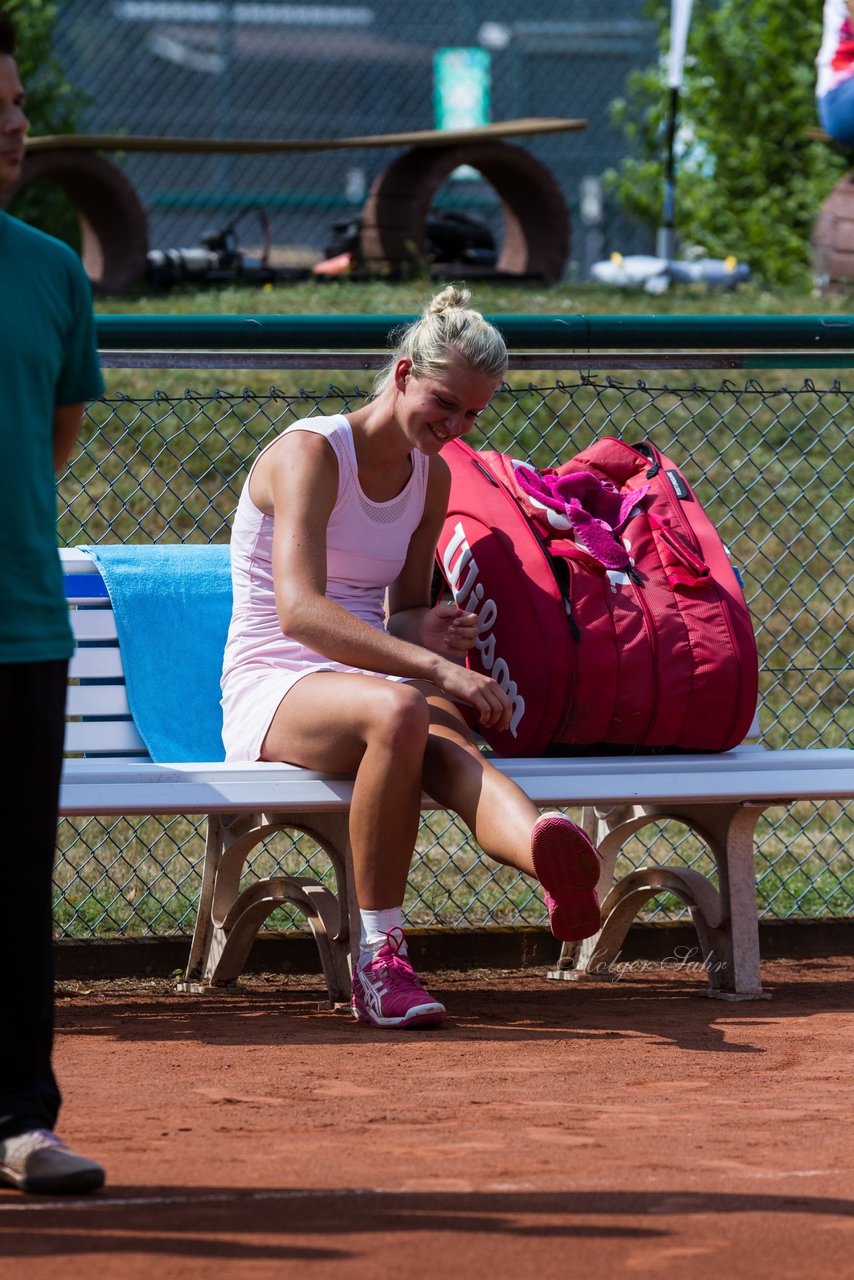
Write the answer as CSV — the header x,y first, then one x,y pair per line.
x,y
607,607
462,574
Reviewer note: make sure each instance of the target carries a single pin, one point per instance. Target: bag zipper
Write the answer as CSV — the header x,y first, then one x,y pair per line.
x,y
561,574
650,451
560,569
652,636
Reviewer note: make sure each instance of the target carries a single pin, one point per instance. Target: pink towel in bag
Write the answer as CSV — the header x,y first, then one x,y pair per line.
x,y
596,510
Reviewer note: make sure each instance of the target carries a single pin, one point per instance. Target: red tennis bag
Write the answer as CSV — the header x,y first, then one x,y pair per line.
x,y
608,608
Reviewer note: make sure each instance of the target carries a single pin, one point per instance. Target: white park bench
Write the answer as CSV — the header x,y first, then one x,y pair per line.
x,y
107,771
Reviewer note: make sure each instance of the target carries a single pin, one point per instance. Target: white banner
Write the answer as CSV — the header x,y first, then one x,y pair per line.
x,y
680,20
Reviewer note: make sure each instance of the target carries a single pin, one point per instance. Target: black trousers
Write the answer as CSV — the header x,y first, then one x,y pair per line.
x,y
32,728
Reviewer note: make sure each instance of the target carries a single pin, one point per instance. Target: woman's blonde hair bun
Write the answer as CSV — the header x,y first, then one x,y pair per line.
x,y
448,331
448,298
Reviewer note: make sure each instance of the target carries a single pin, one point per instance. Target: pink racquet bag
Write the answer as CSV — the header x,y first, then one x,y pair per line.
x,y
608,608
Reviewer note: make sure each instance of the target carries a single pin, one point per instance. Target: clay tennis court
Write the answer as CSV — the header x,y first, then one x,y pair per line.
x,y
627,1128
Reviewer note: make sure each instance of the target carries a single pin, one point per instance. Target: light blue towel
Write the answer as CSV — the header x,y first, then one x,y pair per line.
x,y
172,606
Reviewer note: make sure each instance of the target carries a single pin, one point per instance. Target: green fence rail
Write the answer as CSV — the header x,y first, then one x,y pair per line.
x,y
564,333
771,463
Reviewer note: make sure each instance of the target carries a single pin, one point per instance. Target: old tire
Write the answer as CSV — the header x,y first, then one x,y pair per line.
x,y
536,219
833,234
113,225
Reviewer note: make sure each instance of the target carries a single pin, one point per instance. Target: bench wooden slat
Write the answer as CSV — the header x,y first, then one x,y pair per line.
x,y
85,587
106,737
77,560
97,700
96,663
94,624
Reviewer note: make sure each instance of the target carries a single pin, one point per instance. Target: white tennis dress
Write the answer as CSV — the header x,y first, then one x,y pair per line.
x,y
366,544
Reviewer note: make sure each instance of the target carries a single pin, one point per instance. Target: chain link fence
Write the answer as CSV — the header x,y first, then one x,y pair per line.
x,y
771,464
227,69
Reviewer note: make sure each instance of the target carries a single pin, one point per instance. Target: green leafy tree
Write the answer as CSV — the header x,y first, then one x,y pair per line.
x,y
52,107
749,178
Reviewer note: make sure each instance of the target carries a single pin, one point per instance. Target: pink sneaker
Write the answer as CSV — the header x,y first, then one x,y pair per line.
x,y
568,866
387,992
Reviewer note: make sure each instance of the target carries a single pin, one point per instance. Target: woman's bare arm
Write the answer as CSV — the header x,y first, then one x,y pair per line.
x,y
303,484
300,478
446,629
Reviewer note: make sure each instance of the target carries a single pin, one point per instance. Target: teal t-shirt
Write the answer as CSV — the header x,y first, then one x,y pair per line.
x,y
48,358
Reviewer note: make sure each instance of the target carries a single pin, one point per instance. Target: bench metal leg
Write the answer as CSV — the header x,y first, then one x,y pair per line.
x,y
228,920
726,919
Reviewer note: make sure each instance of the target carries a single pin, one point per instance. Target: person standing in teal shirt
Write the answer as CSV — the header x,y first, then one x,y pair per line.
x,y
48,370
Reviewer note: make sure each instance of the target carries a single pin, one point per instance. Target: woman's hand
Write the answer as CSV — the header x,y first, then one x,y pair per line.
x,y
448,630
490,703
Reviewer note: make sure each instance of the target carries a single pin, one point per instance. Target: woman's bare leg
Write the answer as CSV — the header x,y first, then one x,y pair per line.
x,y
508,826
377,729
457,775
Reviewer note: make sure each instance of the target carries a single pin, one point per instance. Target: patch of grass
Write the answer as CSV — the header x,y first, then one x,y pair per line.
x,y
383,297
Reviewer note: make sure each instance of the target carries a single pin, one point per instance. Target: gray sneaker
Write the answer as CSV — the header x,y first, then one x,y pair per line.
x,y
40,1161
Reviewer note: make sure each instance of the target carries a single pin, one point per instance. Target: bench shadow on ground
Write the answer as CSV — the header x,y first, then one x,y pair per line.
x,y
197,1221
670,1009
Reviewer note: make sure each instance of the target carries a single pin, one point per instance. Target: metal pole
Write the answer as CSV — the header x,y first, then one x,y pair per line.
x,y
680,18
666,243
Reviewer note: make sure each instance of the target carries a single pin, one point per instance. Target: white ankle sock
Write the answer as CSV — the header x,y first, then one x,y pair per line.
x,y
374,927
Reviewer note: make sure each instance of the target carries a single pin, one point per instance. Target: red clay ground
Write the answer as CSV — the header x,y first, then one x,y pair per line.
x,y
549,1130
